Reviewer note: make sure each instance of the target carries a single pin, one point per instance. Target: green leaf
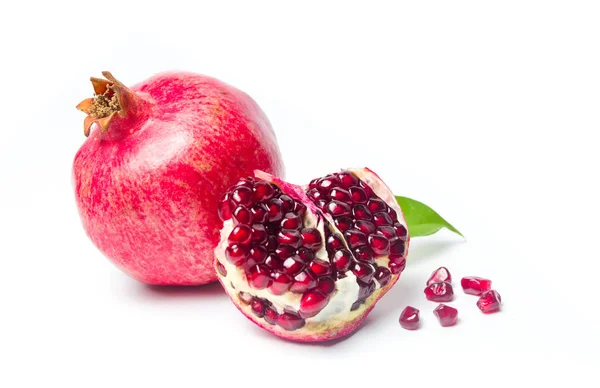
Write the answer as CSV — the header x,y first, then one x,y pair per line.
x,y
421,219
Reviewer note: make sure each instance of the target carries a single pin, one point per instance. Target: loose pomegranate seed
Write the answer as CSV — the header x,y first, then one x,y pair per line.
x,y
347,179
338,209
271,315
397,247
440,275
439,292
325,285
355,238
366,289
259,213
334,243
380,244
272,243
288,203
376,205
315,194
409,318
343,223
293,265
361,212
258,254
241,215
340,195
342,259
221,269
258,307
273,262
311,303
475,285
291,221
236,254
263,191
358,194
299,208
387,231
397,264
242,195
275,210
225,207
289,321
241,234
285,251
245,297
328,182
489,302
381,219
281,283
448,316
363,271
364,253
383,276
258,277
305,254
303,282
259,234
311,239
320,268
401,231
366,227
290,237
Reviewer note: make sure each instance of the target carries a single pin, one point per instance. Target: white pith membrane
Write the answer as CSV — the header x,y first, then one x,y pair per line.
x,y
338,313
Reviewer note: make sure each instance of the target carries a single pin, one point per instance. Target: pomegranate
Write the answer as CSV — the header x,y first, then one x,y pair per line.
x,y
157,156
409,318
317,258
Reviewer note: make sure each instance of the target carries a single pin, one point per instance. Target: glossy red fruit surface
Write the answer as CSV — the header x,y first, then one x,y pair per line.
x,y
489,302
439,292
440,275
475,285
446,315
409,318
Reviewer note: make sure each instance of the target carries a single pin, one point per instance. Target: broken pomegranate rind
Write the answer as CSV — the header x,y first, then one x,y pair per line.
x,y
335,280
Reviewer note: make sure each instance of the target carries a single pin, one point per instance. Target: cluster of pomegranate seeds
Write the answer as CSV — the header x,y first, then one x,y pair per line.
x,y
448,316
409,318
475,285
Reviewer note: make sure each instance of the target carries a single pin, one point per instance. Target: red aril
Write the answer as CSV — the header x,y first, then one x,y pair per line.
x,y
409,318
489,302
439,292
440,275
446,315
475,285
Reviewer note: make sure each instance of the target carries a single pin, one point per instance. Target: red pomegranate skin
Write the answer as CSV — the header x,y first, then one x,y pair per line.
x,y
147,188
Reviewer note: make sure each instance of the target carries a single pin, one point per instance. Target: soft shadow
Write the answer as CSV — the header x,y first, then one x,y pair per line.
x,y
211,290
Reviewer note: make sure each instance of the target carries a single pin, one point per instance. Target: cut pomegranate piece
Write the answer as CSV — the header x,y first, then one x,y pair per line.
x,y
475,285
440,275
409,318
489,302
446,315
439,292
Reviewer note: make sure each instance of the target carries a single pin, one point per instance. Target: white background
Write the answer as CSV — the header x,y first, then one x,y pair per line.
x,y
486,111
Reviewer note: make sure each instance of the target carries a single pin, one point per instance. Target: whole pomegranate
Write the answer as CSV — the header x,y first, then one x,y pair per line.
x,y
157,157
309,263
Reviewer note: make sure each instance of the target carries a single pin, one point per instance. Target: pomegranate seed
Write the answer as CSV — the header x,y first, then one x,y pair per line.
x,y
338,209
380,244
285,251
259,234
334,243
363,271
259,213
364,226
475,285
439,292
364,253
376,205
381,219
271,315
288,203
361,212
397,264
258,277
225,207
236,254
448,316
281,283
271,244
241,215
343,223
311,239
293,265
392,213
326,286
355,238
383,276
303,282
328,182
397,247
366,188
263,191
321,203
290,237
258,254
387,231
242,195
221,269
305,254
315,194
313,183
320,268
273,262
489,302
340,195
289,321
440,275
409,318
347,179
300,208
275,210
291,221
241,234
312,303
358,194
366,289
401,231
258,308
246,181
342,260
245,297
